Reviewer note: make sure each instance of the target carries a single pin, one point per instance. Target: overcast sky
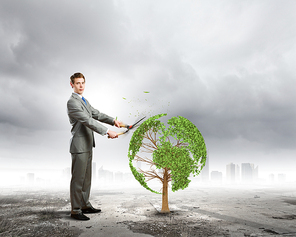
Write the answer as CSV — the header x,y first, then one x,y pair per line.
x,y
227,66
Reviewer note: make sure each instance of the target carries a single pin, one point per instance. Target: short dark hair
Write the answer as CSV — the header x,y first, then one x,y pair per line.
x,y
76,75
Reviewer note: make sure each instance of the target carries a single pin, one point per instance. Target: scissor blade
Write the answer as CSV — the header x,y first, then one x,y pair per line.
x,y
136,122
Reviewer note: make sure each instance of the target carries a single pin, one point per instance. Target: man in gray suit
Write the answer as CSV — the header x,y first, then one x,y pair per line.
x,y
83,118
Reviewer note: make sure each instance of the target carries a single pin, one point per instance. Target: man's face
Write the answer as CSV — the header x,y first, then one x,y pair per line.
x,y
78,86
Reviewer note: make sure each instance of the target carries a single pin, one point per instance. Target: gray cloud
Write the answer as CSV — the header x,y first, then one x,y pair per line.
x,y
226,66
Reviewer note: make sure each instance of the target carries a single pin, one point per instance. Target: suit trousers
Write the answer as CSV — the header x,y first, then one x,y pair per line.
x,y
80,181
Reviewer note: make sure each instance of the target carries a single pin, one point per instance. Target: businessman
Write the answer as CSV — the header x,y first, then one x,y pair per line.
x,y
84,120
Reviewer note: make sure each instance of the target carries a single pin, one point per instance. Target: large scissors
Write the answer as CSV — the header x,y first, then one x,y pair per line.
x,y
129,127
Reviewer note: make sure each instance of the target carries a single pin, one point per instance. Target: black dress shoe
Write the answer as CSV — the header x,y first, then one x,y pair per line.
x,y
80,217
90,210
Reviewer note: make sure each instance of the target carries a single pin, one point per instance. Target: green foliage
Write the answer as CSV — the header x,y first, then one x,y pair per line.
x,y
178,161
187,157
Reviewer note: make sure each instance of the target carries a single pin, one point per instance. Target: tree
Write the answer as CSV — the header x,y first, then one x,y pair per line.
x,y
174,152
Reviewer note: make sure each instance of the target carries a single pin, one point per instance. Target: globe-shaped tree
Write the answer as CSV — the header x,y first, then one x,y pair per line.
x,y
172,153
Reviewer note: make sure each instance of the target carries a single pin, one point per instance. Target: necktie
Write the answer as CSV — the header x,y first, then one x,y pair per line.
x,y
84,100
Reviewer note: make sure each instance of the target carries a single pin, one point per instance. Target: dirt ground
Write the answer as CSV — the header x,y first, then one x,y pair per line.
x,y
197,211
34,213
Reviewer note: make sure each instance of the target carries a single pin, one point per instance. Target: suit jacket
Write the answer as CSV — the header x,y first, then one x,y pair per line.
x,y
83,120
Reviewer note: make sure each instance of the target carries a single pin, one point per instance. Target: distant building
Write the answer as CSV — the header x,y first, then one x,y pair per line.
x,y
118,176
67,173
127,177
249,173
237,173
30,178
105,176
230,172
281,178
271,178
216,176
255,173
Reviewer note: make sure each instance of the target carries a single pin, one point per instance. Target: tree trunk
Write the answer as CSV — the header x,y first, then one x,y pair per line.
x,y
165,199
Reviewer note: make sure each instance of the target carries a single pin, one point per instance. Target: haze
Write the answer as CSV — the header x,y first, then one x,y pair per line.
x,y
227,66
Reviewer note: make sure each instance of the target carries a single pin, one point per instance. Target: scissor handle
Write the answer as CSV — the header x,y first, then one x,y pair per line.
x,y
126,126
118,134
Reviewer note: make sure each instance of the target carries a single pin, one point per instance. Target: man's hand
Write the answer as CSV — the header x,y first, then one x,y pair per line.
x,y
112,134
117,123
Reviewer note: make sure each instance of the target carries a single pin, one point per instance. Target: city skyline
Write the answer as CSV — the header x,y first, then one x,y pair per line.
x,y
251,175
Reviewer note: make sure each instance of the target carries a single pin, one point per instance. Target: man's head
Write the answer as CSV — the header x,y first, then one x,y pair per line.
x,y
78,82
